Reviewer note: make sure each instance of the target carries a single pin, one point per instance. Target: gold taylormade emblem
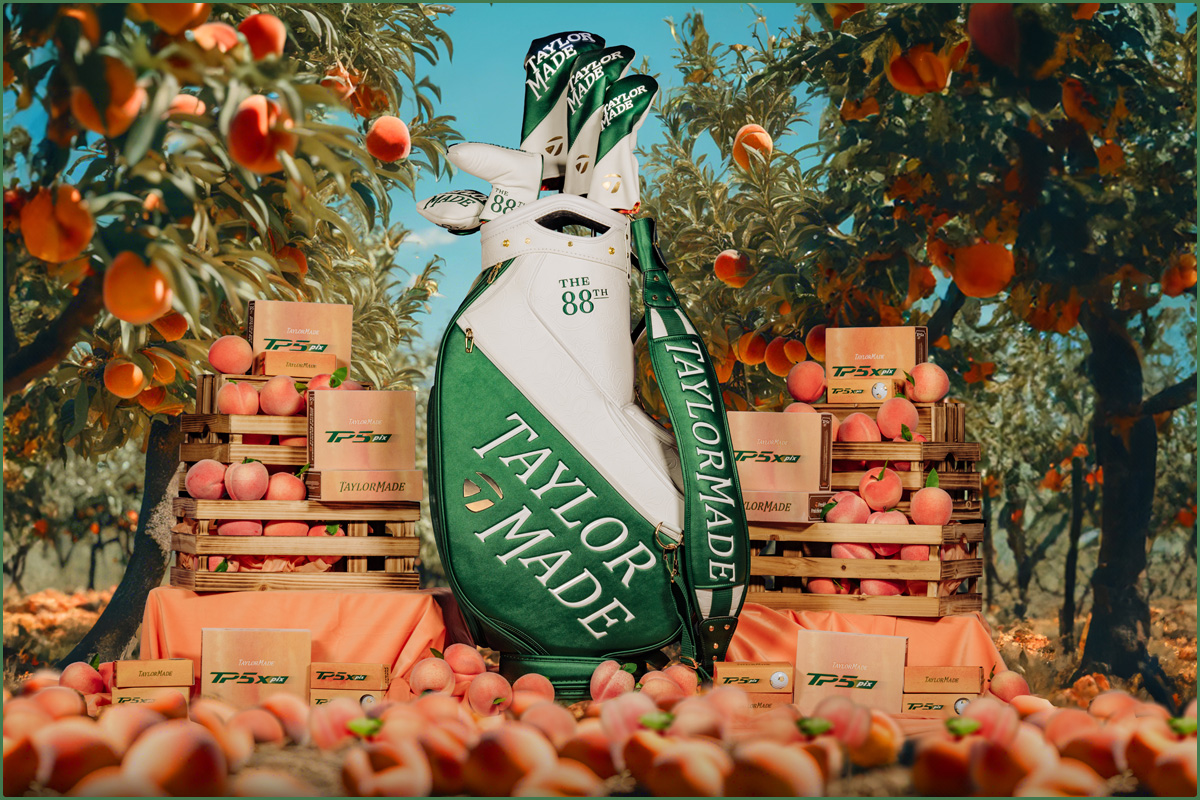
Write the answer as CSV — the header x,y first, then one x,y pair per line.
x,y
612,182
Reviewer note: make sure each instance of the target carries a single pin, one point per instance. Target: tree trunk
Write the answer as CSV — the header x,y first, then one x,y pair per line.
x,y
989,554
1126,449
1066,616
115,632
1015,530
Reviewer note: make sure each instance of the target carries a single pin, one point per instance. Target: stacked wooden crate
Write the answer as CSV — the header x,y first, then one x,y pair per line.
x,y
378,552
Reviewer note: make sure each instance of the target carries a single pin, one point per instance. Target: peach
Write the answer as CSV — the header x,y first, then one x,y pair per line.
x,y
997,721
292,713
431,675
239,527
894,415
1027,705
880,488
1150,738
447,755
69,749
695,716
689,768
1064,778
97,701
522,701
685,677
489,693
409,781
609,680
1112,703
60,701
39,680
205,480
1190,711
905,466
464,659
999,768
22,717
106,672
270,782
123,725
531,682
278,397
436,706
883,742
231,355
806,381
733,268
849,508
260,128
503,756
851,723
662,690
1007,684
246,481
851,550
941,767
1174,772
283,527
750,137
266,35
858,427
555,722
769,769
113,782
83,678
882,587
640,751
327,723
1102,749
564,778
171,705
827,751
814,342
388,139
237,398
931,506
258,439
589,746
621,717
20,765
363,768
829,586
929,383
261,724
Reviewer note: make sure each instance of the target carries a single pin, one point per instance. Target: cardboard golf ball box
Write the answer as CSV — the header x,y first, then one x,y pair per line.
x,y
781,452
784,506
365,486
342,675
299,339
933,705
362,431
866,668
134,695
132,674
867,365
943,680
768,684
364,697
243,666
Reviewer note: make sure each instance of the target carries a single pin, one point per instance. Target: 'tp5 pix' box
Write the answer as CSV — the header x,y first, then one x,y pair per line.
x,y
309,332
340,675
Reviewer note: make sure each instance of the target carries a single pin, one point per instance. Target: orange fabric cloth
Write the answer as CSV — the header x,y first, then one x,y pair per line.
x,y
396,628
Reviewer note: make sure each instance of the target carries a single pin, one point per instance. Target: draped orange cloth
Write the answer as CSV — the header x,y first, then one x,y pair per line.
x,y
395,628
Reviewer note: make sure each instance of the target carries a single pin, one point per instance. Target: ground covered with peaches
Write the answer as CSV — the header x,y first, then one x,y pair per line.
x,y
467,730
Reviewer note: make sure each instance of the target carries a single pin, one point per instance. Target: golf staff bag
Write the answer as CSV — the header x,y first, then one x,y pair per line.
x,y
572,527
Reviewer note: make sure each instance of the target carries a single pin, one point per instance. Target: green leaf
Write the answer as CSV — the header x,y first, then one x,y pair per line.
x,y
908,377
248,460
932,480
331,530
657,720
1183,726
303,470
905,433
95,662
223,566
825,509
436,653
150,120
300,387
814,726
499,701
882,471
629,667
962,726
364,727
338,377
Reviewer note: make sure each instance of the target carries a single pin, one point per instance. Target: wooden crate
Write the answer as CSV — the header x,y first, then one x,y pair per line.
x,y
220,437
956,464
783,560
938,422
208,384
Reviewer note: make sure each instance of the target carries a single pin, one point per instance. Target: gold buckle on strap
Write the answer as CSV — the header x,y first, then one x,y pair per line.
x,y
669,548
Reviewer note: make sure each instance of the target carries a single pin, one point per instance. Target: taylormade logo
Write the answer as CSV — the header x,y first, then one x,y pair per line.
x,y
261,662
583,79
621,103
153,673
371,486
546,62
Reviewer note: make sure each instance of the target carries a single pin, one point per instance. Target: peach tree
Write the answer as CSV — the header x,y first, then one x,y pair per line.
x,y
170,161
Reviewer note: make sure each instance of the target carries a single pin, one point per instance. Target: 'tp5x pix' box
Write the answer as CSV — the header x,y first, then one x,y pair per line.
x,y
310,332
866,668
781,452
362,431
342,675
244,666
867,365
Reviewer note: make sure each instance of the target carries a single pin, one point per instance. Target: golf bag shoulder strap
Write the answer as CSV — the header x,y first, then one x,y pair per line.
x,y
711,556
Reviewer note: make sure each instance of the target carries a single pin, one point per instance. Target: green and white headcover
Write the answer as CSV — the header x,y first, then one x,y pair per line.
x,y
590,77
614,181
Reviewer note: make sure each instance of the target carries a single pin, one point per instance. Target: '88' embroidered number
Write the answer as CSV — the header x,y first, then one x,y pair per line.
x,y
583,306
502,205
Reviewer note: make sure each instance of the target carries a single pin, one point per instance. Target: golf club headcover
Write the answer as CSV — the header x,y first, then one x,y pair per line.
x,y
457,210
627,102
547,71
591,75
515,175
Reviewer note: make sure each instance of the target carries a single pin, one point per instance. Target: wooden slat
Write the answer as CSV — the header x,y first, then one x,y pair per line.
x,y
291,581
356,530
407,531
242,423
833,532
295,545
887,569
275,455
862,604
907,451
912,481
312,510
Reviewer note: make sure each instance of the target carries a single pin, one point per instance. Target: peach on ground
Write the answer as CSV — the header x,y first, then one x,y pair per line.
x,y
82,677
1007,684
685,677
689,768
769,769
447,756
858,427
171,705
97,701
998,768
327,723
931,505
849,508
503,756
435,705
1174,771
388,139
998,722
114,782
884,739
239,527
806,381
363,766
278,397
237,398
589,746
22,717
941,767
489,694
247,481
732,704
38,681
283,527
1027,705
122,725
695,716
431,675
266,35
555,722
929,384
286,486
261,724
564,778
609,680
269,783
894,415
1102,749
69,749
532,682
412,781
1149,738
60,701
231,355
880,488
621,717
20,765
1064,778
851,722
466,660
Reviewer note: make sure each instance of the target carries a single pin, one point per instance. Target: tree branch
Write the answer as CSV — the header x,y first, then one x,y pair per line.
x,y
1173,397
56,339
942,321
